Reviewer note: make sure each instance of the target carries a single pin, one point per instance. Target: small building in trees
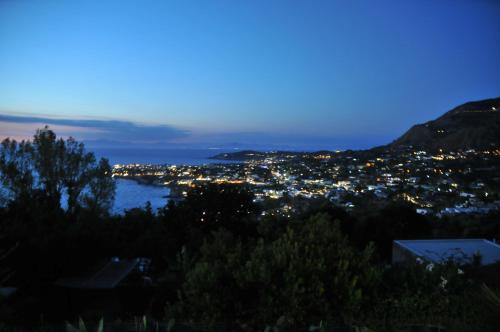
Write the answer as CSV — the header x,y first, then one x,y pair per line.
x,y
111,286
6,272
107,275
461,251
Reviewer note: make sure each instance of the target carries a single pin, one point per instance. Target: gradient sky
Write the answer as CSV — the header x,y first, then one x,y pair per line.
x,y
306,74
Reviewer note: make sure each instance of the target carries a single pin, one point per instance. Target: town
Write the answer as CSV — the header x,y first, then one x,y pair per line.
x,y
437,183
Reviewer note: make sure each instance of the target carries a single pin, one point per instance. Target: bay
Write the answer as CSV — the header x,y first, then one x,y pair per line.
x,y
131,194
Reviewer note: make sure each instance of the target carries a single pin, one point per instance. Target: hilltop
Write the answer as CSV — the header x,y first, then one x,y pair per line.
x,y
473,125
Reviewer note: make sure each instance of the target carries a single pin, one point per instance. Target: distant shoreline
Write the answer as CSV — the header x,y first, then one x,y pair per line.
x,y
141,181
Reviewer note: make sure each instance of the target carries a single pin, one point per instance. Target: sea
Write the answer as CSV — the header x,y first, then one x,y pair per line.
x,y
131,194
159,156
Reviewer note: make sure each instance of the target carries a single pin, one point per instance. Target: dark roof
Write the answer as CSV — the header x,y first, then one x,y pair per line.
x,y
7,291
106,277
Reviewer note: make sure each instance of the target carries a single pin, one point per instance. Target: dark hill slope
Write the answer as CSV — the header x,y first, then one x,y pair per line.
x,y
473,125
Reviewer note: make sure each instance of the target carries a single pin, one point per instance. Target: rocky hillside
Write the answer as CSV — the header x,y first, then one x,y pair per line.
x,y
473,125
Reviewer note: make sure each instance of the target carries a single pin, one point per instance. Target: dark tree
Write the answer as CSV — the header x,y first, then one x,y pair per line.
x,y
48,167
395,221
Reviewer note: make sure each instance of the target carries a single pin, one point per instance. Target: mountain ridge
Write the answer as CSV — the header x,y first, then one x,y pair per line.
x,y
472,125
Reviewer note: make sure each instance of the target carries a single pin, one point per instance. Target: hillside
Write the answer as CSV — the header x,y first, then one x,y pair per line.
x,y
473,125
241,155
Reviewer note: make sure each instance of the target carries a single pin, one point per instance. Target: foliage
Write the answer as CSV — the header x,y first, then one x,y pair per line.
x,y
423,295
209,207
83,328
394,221
211,292
218,262
48,167
278,326
309,272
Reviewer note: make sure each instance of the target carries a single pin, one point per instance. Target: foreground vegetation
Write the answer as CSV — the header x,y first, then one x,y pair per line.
x,y
218,264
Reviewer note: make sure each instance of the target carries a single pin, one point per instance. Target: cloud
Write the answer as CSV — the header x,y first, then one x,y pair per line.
x,y
17,126
124,134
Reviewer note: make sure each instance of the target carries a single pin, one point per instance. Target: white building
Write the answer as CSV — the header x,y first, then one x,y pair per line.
x,y
461,251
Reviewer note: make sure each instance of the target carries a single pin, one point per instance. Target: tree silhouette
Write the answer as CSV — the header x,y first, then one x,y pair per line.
x,y
48,167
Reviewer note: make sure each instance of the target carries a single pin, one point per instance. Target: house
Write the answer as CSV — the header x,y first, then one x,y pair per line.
x,y
462,251
106,276
112,286
6,272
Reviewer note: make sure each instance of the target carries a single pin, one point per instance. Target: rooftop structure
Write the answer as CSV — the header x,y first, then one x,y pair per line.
x,y
441,250
107,276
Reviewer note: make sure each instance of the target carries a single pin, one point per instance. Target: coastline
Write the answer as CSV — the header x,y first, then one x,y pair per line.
x,y
141,181
147,183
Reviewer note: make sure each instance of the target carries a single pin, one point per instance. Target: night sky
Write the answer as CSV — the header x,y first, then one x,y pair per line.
x,y
305,74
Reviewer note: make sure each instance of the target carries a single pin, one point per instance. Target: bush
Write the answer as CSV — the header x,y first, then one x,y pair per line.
x,y
309,273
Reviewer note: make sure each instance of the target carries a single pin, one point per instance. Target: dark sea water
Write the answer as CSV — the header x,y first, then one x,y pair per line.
x,y
129,193
159,156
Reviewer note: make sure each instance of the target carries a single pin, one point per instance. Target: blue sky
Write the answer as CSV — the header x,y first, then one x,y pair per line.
x,y
325,74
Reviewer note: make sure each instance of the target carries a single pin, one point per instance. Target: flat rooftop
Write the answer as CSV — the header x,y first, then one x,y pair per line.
x,y
440,250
